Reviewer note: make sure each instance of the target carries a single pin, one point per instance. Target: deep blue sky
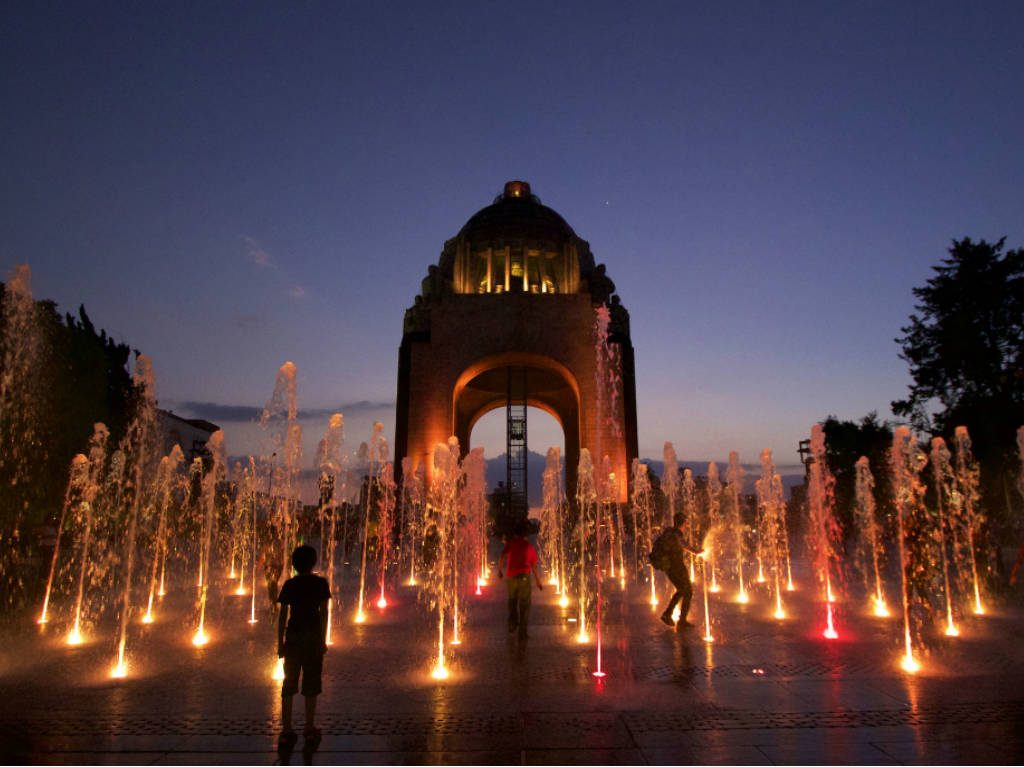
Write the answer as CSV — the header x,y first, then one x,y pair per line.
x,y
230,185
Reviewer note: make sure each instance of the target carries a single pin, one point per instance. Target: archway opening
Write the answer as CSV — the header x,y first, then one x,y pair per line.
x,y
543,432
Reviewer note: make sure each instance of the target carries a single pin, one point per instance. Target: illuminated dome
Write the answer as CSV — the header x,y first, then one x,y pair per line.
x,y
517,214
517,245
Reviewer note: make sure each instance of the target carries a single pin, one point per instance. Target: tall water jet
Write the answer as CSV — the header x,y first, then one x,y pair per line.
x,y
283,434
442,533
78,477
967,480
771,507
688,502
210,482
823,530
385,523
551,528
669,482
371,455
643,513
734,495
87,512
472,530
21,405
167,473
586,528
906,461
869,544
330,464
413,508
137,447
941,480
714,504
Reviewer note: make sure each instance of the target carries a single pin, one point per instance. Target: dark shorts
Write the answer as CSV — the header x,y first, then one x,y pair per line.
x,y
309,660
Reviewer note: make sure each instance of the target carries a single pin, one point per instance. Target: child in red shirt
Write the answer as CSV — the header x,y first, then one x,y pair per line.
x,y
519,559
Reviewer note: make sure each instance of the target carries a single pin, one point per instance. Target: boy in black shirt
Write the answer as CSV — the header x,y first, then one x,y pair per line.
x,y
302,640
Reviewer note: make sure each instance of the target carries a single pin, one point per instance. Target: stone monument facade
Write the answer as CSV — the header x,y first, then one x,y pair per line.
x,y
514,298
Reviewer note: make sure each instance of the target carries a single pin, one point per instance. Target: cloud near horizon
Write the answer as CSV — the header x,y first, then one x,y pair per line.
x,y
257,254
216,412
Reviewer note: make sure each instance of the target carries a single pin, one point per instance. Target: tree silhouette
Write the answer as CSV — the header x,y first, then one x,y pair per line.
x,y
965,349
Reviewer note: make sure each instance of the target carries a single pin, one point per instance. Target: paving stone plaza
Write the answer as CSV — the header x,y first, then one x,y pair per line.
x,y
764,692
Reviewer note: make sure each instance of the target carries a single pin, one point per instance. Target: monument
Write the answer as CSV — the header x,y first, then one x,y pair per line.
x,y
506,319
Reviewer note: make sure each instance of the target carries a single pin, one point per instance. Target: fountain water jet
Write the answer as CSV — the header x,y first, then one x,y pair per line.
x,y
906,461
870,541
941,478
734,490
823,529
967,479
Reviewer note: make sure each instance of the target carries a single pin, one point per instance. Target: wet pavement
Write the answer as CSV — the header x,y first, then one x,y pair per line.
x,y
764,692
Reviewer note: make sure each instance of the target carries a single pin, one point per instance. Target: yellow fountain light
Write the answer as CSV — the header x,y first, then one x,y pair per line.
x,y
582,638
278,673
910,664
439,672
75,637
148,617
200,638
708,638
780,614
743,597
563,601
120,670
715,589
410,582
881,611
240,591
360,617
952,631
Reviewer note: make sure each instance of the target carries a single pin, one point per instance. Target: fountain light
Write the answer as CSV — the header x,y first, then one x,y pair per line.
x,y
880,610
440,671
278,673
240,591
708,638
478,592
715,588
360,617
563,601
910,664
42,620
161,593
253,619
75,637
582,638
411,581
200,638
790,586
779,613
599,674
382,603
830,629
952,630
148,617
742,597
120,670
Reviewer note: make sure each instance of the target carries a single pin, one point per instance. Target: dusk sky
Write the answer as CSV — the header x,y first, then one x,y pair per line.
x,y
227,186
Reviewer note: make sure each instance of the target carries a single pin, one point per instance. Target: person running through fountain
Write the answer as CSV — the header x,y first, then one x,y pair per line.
x,y
302,641
669,556
518,559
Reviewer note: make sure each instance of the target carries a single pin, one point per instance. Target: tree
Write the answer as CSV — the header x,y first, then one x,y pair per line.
x,y
845,443
965,349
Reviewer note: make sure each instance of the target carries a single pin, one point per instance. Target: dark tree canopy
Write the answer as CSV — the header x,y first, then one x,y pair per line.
x,y
80,378
845,443
965,349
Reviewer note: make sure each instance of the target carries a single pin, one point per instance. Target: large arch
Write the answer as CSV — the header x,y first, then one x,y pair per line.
x,y
552,388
